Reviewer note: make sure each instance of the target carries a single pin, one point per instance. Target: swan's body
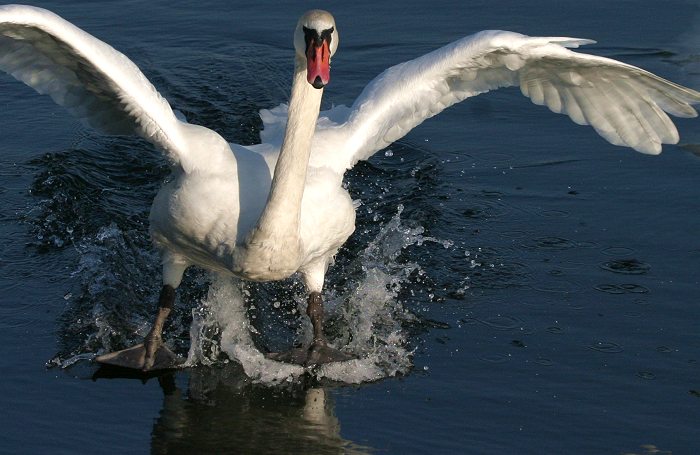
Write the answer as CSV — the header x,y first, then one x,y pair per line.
x,y
267,211
327,214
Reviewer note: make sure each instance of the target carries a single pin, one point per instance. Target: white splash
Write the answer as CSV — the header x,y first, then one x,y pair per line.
x,y
221,325
370,319
367,316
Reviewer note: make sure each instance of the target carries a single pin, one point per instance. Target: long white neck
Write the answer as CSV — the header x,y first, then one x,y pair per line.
x,y
274,244
284,202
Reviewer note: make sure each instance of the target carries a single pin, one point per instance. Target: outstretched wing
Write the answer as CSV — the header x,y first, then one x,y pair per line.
x,y
623,103
88,77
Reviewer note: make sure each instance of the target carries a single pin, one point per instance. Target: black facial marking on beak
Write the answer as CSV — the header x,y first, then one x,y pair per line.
x,y
318,83
311,36
318,56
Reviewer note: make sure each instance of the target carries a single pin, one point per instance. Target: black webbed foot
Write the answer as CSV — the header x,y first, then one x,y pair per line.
x,y
317,353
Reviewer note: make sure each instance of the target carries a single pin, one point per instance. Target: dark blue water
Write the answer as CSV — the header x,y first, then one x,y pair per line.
x,y
546,300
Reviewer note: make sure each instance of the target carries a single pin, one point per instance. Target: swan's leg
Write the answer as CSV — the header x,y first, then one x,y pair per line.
x,y
314,309
318,352
152,354
154,340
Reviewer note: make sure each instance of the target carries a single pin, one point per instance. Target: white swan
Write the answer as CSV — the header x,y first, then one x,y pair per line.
x,y
267,211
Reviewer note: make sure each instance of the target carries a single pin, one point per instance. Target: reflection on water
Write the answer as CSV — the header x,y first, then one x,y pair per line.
x,y
219,409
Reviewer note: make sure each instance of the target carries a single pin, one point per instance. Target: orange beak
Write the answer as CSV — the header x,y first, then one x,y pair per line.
x,y
318,63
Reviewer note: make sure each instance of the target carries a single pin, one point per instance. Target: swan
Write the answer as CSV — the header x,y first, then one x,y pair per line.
x,y
267,211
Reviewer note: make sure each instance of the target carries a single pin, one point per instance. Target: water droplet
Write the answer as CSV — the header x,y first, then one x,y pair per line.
x,y
388,153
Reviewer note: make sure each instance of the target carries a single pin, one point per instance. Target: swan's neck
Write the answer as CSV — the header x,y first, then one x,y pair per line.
x,y
275,241
284,202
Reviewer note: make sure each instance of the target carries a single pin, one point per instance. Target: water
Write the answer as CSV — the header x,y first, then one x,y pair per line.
x,y
515,284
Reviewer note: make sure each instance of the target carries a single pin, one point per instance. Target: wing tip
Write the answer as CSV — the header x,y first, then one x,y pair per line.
x,y
572,43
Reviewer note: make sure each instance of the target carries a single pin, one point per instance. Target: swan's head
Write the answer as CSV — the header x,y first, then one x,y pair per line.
x,y
315,40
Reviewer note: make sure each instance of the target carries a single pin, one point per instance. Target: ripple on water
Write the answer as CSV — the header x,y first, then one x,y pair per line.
x,y
628,288
553,243
641,302
492,194
486,275
617,251
559,287
515,234
494,358
482,210
555,214
501,322
606,347
626,266
646,375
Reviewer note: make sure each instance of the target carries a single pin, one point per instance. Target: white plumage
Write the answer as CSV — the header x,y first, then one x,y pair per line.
x,y
210,212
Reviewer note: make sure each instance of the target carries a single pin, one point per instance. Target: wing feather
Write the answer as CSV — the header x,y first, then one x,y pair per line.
x,y
624,104
96,83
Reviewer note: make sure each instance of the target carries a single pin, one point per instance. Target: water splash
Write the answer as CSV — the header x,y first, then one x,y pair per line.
x,y
221,326
111,308
366,318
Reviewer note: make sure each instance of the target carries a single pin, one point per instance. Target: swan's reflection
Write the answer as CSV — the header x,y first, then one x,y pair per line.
x,y
222,412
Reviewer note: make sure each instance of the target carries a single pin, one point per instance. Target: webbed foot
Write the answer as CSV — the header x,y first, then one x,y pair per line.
x,y
317,353
136,358
152,354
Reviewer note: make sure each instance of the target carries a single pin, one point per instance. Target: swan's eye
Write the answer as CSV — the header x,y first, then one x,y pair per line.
x,y
327,35
312,36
